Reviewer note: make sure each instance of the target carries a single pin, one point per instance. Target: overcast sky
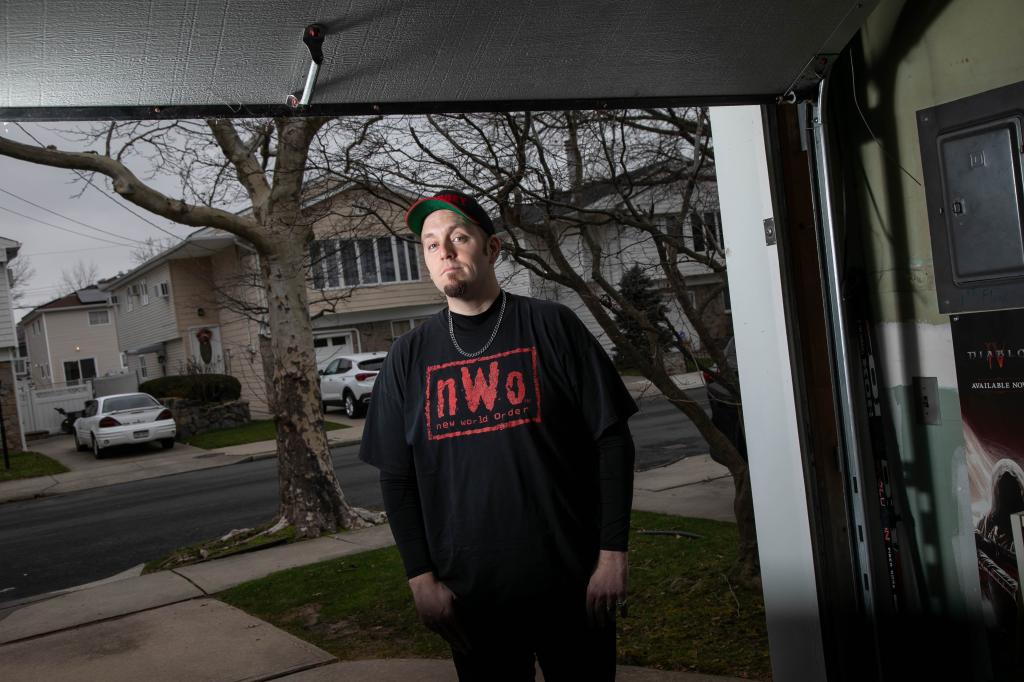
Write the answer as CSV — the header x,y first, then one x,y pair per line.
x,y
51,249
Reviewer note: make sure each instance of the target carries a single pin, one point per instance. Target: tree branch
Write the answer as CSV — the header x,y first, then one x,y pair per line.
x,y
129,186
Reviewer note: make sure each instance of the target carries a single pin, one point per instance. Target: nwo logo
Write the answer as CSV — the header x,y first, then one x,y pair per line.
x,y
483,394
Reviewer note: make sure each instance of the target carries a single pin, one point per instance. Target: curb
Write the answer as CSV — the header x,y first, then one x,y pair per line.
x,y
235,459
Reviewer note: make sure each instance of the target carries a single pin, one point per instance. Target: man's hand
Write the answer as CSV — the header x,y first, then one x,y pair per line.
x,y
435,606
607,588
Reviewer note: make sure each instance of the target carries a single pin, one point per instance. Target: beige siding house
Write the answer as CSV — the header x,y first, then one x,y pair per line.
x,y
177,313
368,284
9,350
72,339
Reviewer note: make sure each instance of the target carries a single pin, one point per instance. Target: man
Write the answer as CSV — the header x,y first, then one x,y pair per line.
x,y
499,428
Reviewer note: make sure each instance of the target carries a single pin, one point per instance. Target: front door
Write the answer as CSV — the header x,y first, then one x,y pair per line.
x,y
206,353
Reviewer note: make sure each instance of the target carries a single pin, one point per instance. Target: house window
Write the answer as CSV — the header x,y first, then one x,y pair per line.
x,y
144,292
143,371
97,317
399,327
705,225
78,371
336,263
163,290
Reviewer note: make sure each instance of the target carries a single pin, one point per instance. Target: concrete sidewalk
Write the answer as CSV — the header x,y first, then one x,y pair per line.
x,y
166,626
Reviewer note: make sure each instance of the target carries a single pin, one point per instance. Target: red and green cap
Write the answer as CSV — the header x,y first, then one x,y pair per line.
x,y
448,200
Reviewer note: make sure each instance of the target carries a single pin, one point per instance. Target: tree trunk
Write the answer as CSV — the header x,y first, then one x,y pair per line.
x,y
721,450
311,497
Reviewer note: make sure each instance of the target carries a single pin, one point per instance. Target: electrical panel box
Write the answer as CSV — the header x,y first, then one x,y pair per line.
x,y
972,152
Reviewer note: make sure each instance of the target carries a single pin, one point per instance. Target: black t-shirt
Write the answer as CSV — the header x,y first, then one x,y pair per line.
x,y
502,446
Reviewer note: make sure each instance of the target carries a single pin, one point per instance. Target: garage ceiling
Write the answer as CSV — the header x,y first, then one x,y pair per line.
x,y
80,59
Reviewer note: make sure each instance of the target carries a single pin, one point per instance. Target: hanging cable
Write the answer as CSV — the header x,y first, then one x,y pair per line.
x,y
63,229
70,220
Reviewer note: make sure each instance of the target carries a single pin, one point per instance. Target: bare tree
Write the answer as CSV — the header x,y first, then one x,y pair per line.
x,y
79,276
150,248
584,195
246,178
20,272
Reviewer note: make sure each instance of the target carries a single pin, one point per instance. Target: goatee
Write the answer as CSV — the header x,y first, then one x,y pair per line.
x,y
455,290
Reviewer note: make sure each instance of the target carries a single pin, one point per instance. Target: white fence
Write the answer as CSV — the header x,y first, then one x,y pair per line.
x,y
36,406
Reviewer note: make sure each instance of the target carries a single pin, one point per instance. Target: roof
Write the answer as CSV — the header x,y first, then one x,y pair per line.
x,y
202,242
10,246
244,58
595,193
88,297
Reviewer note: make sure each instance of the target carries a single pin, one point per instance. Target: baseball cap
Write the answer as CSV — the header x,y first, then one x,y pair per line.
x,y
448,200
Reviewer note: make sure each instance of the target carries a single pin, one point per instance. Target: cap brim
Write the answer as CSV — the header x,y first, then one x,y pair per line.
x,y
419,211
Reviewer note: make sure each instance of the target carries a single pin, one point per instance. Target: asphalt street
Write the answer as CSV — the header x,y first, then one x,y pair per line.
x,y
52,543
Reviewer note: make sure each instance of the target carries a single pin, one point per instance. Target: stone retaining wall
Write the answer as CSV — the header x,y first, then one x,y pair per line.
x,y
193,417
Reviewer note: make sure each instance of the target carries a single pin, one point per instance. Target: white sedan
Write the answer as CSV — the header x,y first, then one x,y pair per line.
x,y
122,419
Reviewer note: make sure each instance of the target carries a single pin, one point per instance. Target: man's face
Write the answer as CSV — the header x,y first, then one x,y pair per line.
x,y
458,254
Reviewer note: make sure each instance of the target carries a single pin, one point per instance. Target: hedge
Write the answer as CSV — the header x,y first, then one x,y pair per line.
x,y
207,388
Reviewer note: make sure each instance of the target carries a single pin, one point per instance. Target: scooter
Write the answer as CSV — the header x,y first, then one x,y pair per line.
x,y
68,425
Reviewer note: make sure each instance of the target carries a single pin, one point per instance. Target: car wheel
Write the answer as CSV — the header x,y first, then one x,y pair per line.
x,y
97,451
79,445
352,407
167,443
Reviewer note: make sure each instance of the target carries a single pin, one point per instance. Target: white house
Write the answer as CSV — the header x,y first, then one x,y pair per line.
x,y
8,350
72,339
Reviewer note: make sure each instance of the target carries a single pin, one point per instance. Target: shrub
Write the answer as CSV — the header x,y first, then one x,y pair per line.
x,y
207,388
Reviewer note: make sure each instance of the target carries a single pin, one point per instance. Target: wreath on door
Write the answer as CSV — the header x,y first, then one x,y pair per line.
x,y
204,336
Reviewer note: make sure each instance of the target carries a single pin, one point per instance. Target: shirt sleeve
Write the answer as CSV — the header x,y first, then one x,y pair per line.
x,y
383,444
402,503
599,390
616,456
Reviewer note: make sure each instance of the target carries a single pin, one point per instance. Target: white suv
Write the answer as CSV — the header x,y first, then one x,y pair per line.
x,y
347,380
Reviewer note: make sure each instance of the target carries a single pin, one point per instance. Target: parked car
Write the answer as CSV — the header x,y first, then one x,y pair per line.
x,y
347,380
726,413
122,419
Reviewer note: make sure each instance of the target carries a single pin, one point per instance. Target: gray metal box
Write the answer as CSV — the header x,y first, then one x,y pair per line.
x,y
971,151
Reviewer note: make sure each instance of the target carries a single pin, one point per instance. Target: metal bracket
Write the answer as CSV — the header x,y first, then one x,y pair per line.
x,y
313,37
769,232
806,84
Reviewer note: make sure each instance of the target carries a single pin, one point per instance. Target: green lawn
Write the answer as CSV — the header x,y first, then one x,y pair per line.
x,y
253,432
29,465
684,613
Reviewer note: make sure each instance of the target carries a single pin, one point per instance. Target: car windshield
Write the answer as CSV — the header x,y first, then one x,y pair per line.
x,y
129,402
372,365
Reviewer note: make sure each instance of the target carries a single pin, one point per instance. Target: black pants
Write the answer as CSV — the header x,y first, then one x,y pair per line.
x,y
555,632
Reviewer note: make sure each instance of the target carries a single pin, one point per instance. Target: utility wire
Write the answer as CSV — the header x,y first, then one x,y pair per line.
x,y
71,220
89,182
55,253
63,229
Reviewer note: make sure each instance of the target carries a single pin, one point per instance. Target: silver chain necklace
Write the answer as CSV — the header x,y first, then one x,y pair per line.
x,y
451,331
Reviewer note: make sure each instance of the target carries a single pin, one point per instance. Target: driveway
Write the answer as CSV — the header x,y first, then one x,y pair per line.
x,y
62,449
